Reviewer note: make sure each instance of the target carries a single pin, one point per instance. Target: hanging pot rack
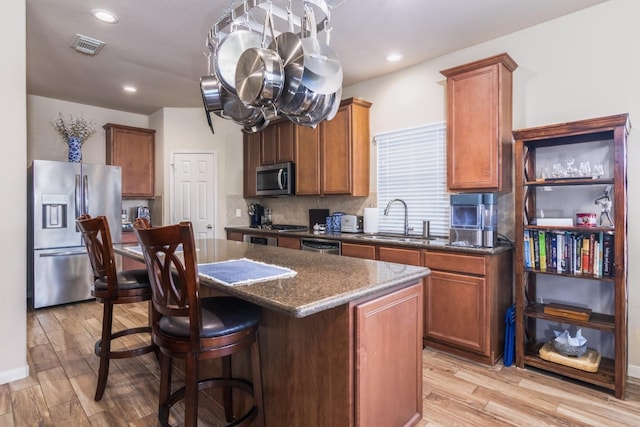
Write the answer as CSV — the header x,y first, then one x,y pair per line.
x,y
307,99
248,7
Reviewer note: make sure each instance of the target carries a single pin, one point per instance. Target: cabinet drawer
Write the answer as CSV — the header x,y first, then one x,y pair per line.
x,y
399,255
359,251
469,264
289,242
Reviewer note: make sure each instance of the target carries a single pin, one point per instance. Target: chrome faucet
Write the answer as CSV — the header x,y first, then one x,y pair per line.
x,y
406,216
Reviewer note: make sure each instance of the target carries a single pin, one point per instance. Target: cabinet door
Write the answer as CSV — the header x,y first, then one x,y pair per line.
x,y
289,242
251,160
307,161
359,251
234,235
286,133
479,143
456,310
336,153
269,146
389,359
133,150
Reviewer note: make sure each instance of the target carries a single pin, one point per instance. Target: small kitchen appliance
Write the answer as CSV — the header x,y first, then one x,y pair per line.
x,y
351,224
275,180
256,212
473,219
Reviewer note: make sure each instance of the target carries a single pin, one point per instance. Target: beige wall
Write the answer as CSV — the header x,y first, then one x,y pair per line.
x,y
13,174
579,66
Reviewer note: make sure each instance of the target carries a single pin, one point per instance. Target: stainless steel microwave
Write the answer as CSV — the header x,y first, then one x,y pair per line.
x,y
275,180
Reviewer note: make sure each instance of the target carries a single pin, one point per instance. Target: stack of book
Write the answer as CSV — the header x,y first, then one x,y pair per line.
x,y
569,252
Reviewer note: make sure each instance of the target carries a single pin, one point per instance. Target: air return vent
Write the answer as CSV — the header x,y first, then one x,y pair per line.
x,y
86,44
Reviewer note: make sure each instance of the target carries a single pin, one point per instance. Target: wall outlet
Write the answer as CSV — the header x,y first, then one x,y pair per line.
x,y
238,213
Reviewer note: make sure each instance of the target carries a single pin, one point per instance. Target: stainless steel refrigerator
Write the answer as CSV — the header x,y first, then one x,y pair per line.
x,y
58,265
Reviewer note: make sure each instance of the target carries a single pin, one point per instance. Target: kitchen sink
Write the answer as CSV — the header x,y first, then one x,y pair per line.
x,y
403,239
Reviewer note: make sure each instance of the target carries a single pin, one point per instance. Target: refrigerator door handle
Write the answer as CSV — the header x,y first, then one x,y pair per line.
x,y
85,188
78,196
66,253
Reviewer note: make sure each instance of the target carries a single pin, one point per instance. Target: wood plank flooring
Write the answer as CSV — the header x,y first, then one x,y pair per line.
x,y
63,371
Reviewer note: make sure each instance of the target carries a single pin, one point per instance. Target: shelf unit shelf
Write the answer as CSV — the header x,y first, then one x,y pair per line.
x,y
607,293
605,377
603,322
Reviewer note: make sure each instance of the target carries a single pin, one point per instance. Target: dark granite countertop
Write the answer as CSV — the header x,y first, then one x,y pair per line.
x,y
322,281
360,238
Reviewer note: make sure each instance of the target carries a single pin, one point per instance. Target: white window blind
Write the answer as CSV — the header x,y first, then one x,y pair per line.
x,y
412,167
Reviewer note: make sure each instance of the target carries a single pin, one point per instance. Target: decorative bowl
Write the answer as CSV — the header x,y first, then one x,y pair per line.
x,y
569,350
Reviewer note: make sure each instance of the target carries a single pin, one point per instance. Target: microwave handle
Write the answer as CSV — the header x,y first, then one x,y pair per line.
x,y
280,174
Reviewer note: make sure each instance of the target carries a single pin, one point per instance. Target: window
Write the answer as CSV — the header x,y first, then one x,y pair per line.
x,y
412,167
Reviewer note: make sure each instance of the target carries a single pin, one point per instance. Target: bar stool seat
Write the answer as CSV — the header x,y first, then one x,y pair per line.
x,y
112,288
193,329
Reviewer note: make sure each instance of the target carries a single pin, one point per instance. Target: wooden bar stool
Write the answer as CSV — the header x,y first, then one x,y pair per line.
x,y
111,288
193,329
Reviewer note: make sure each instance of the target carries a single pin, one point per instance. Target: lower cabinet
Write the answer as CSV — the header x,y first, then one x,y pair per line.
x,y
234,235
388,359
289,242
128,263
465,303
359,251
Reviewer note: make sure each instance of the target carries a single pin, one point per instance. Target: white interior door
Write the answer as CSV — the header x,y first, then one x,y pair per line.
x,y
194,195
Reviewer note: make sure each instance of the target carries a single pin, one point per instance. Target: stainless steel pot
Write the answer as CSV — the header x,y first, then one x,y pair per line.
x,y
228,53
260,73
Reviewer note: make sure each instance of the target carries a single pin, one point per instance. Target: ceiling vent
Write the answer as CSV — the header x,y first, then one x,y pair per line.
x,y
84,44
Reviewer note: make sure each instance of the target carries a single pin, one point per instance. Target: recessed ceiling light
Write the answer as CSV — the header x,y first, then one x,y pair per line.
x,y
394,57
105,16
130,89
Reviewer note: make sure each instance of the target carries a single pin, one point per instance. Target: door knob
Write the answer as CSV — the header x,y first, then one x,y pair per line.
x,y
209,226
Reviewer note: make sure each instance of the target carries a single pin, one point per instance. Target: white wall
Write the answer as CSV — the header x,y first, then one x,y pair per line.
x,y
13,174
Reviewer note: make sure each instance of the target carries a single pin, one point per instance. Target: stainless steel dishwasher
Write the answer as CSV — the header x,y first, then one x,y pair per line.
x,y
324,246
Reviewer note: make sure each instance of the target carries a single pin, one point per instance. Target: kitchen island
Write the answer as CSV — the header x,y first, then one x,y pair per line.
x,y
341,341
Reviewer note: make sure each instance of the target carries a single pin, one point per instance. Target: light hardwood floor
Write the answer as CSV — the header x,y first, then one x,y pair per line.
x,y
457,392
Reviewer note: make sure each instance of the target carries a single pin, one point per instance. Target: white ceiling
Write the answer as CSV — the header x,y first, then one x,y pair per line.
x,y
158,45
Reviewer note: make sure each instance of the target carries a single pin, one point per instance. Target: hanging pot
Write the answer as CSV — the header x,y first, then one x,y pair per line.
x,y
322,69
260,73
210,90
289,46
229,51
335,104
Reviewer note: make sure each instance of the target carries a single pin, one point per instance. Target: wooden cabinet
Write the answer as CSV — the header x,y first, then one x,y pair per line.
x,y
332,159
234,235
345,150
307,161
250,161
358,251
562,168
479,141
465,302
278,143
129,263
388,359
132,149
400,255
289,242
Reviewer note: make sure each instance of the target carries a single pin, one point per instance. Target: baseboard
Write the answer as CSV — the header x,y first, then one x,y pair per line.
x,y
633,371
14,374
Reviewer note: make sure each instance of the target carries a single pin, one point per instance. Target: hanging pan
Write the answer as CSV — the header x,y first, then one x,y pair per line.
x,y
229,51
260,73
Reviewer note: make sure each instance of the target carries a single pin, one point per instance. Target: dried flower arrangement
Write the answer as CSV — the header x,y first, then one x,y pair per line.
x,y
75,127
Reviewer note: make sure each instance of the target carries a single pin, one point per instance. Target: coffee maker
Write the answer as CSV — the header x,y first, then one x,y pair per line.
x,y
256,212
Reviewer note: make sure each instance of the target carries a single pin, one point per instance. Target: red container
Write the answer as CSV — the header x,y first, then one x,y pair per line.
x,y
586,219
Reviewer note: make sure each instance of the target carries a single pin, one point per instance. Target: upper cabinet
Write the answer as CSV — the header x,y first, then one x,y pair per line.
x,y
132,149
344,150
479,141
278,143
331,159
250,161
